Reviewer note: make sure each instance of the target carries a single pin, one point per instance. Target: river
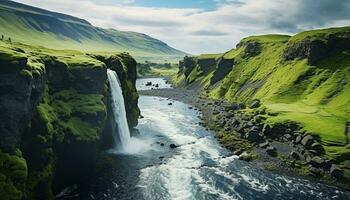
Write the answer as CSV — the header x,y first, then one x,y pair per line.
x,y
199,168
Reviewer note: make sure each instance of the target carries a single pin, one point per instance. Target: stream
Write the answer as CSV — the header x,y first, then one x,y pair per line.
x,y
198,168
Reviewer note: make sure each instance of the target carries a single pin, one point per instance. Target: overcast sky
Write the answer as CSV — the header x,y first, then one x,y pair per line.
x,y
202,26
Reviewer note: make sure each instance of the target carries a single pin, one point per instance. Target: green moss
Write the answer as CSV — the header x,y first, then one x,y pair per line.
x,y
13,173
26,73
321,34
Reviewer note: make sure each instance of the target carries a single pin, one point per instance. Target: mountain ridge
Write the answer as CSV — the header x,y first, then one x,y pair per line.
x,y
36,26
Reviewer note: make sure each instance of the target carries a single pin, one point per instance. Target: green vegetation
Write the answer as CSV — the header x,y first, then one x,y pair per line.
x,y
38,27
154,69
72,92
316,97
13,174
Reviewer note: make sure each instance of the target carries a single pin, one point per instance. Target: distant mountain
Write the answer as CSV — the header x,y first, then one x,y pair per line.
x,y
35,26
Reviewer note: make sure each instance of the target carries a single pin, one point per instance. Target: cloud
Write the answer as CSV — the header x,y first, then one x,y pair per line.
x,y
215,30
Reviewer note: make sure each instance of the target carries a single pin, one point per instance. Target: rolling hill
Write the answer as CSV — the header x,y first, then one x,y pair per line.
x,y
35,26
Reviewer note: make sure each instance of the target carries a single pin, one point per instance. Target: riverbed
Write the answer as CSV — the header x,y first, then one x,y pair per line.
x,y
197,167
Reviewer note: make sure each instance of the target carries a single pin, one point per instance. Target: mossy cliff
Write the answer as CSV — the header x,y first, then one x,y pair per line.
x,y
302,80
54,118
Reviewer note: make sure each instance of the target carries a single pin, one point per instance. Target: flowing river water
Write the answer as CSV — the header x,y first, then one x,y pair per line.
x,y
199,168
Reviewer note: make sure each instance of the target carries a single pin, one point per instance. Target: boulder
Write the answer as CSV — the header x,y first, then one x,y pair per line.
x,y
287,137
297,140
173,146
307,141
295,155
255,103
264,145
253,136
245,156
170,104
271,150
317,162
149,84
156,85
336,172
317,147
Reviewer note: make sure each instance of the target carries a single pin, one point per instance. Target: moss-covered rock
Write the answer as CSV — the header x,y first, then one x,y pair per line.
x,y
55,108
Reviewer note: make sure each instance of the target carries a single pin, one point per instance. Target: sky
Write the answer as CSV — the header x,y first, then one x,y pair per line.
x,y
205,26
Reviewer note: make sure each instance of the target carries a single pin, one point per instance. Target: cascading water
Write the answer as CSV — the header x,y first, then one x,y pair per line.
x,y
122,136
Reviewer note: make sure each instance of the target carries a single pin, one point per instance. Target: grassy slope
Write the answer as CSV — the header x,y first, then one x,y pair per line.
x,y
53,30
316,97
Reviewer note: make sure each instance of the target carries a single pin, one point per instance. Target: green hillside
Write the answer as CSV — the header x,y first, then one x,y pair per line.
x,y
304,79
40,27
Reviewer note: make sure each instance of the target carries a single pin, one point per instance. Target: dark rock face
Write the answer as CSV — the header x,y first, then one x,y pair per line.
x,y
187,65
252,49
18,97
206,64
315,50
224,66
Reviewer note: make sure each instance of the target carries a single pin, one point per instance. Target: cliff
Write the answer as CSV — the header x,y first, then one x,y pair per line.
x,y
294,87
54,118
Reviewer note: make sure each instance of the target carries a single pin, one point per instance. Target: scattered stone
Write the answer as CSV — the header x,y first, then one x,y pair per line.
x,y
227,129
295,155
245,156
317,162
162,144
253,136
173,146
317,147
287,137
271,150
169,104
297,140
336,172
315,171
149,84
255,103
141,117
307,141
161,157
264,145
190,107
157,85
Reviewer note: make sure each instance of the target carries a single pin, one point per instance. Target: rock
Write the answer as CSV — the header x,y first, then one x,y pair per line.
x,y
253,136
287,137
149,84
307,157
307,141
251,49
264,145
317,147
317,162
295,155
245,156
141,117
336,172
297,140
162,144
315,171
169,104
227,129
173,146
255,103
271,150
157,85
224,66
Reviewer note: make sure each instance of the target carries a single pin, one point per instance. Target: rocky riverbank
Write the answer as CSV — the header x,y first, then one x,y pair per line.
x,y
283,148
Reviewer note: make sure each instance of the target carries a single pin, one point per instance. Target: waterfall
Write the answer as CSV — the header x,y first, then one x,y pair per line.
x,y
122,136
